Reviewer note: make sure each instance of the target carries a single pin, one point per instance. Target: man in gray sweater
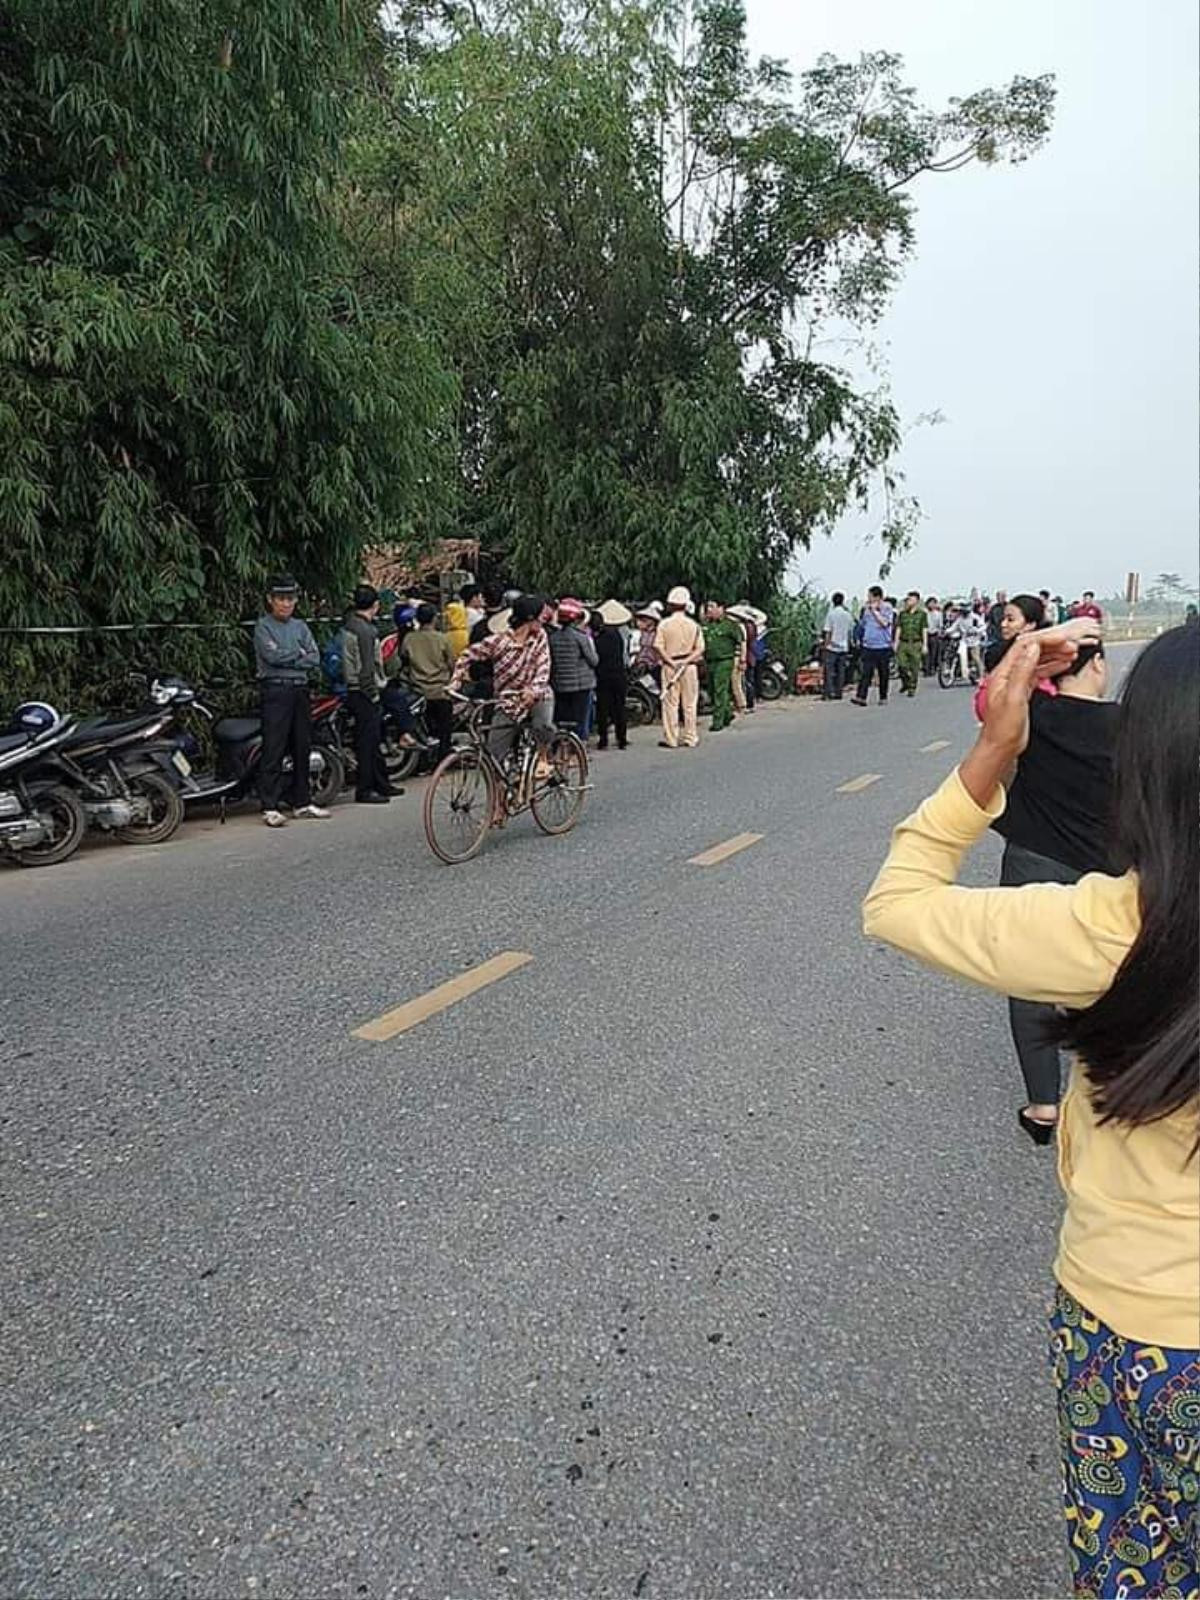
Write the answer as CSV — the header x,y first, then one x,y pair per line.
x,y
286,653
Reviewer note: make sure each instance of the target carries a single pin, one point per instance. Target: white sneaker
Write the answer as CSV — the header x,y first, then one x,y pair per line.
x,y
274,819
313,811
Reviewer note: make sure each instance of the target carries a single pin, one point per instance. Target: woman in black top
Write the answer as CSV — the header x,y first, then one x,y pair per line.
x,y
1055,826
611,676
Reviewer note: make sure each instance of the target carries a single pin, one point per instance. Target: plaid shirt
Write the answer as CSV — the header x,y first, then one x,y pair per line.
x,y
647,653
520,669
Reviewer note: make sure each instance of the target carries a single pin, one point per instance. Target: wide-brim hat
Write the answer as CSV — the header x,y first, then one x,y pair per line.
x,y
652,608
499,620
749,613
680,596
615,614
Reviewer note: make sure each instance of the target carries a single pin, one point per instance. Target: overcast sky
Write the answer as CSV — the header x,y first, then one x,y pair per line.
x,y
1050,312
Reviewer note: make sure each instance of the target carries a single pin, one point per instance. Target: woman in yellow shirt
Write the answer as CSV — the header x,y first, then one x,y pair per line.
x,y
1122,956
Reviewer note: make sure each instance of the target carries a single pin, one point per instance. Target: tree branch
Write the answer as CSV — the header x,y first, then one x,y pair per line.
x,y
859,118
961,158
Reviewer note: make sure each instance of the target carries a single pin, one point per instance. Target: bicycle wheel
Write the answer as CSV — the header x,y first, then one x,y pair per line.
x,y
558,800
459,806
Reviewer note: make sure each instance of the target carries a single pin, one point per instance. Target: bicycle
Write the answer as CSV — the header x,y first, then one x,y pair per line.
x,y
473,791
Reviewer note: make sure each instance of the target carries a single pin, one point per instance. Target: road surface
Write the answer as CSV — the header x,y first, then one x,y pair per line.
x,y
699,1256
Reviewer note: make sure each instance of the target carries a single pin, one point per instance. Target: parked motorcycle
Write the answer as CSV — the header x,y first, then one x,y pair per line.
x,y
238,742
123,772
642,699
42,822
774,682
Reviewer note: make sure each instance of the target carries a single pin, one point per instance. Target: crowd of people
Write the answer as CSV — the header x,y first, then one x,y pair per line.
x,y
916,634
551,663
562,663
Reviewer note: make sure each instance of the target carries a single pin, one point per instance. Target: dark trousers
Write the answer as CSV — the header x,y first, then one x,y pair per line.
x,y
397,706
1041,1064
836,662
287,730
874,662
439,715
610,707
570,709
371,776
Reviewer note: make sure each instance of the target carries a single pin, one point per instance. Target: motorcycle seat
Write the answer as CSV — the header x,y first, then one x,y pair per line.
x,y
12,741
236,730
101,730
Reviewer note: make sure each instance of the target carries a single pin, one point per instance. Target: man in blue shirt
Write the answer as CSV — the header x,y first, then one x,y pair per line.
x,y
878,623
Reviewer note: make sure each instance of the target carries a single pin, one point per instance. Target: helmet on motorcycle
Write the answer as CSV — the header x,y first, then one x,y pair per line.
x,y
34,717
404,615
171,691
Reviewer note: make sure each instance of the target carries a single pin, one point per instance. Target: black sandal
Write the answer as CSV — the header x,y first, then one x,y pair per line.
x,y
1040,1132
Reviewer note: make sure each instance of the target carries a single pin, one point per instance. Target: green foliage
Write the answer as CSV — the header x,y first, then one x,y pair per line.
x,y
629,235
796,623
193,391
282,282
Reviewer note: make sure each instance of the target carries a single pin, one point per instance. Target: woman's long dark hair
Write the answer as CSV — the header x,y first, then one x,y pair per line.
x,y
1140,1042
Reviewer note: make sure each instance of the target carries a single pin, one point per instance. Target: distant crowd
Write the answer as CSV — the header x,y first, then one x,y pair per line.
x,y
915,636
551,663
401,664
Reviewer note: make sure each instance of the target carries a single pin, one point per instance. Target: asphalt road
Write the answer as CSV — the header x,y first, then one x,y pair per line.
x,y
700,1257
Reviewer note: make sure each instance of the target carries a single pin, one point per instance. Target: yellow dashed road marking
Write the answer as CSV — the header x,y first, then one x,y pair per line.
x,y
722,852
855,784
440,999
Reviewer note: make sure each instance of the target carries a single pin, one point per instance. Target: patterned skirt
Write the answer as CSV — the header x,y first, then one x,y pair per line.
x,y
1129,1428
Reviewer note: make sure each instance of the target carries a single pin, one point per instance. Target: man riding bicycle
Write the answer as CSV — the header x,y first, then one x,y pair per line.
x,y
520,660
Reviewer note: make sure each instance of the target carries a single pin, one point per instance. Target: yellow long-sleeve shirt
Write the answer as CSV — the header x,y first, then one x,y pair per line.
x,y
1129,1249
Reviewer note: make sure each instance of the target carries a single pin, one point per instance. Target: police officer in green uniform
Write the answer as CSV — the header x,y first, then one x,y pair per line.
x,y
912,632
722,638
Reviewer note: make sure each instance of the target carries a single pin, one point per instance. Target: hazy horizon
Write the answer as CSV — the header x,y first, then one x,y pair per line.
x,y
1050,310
